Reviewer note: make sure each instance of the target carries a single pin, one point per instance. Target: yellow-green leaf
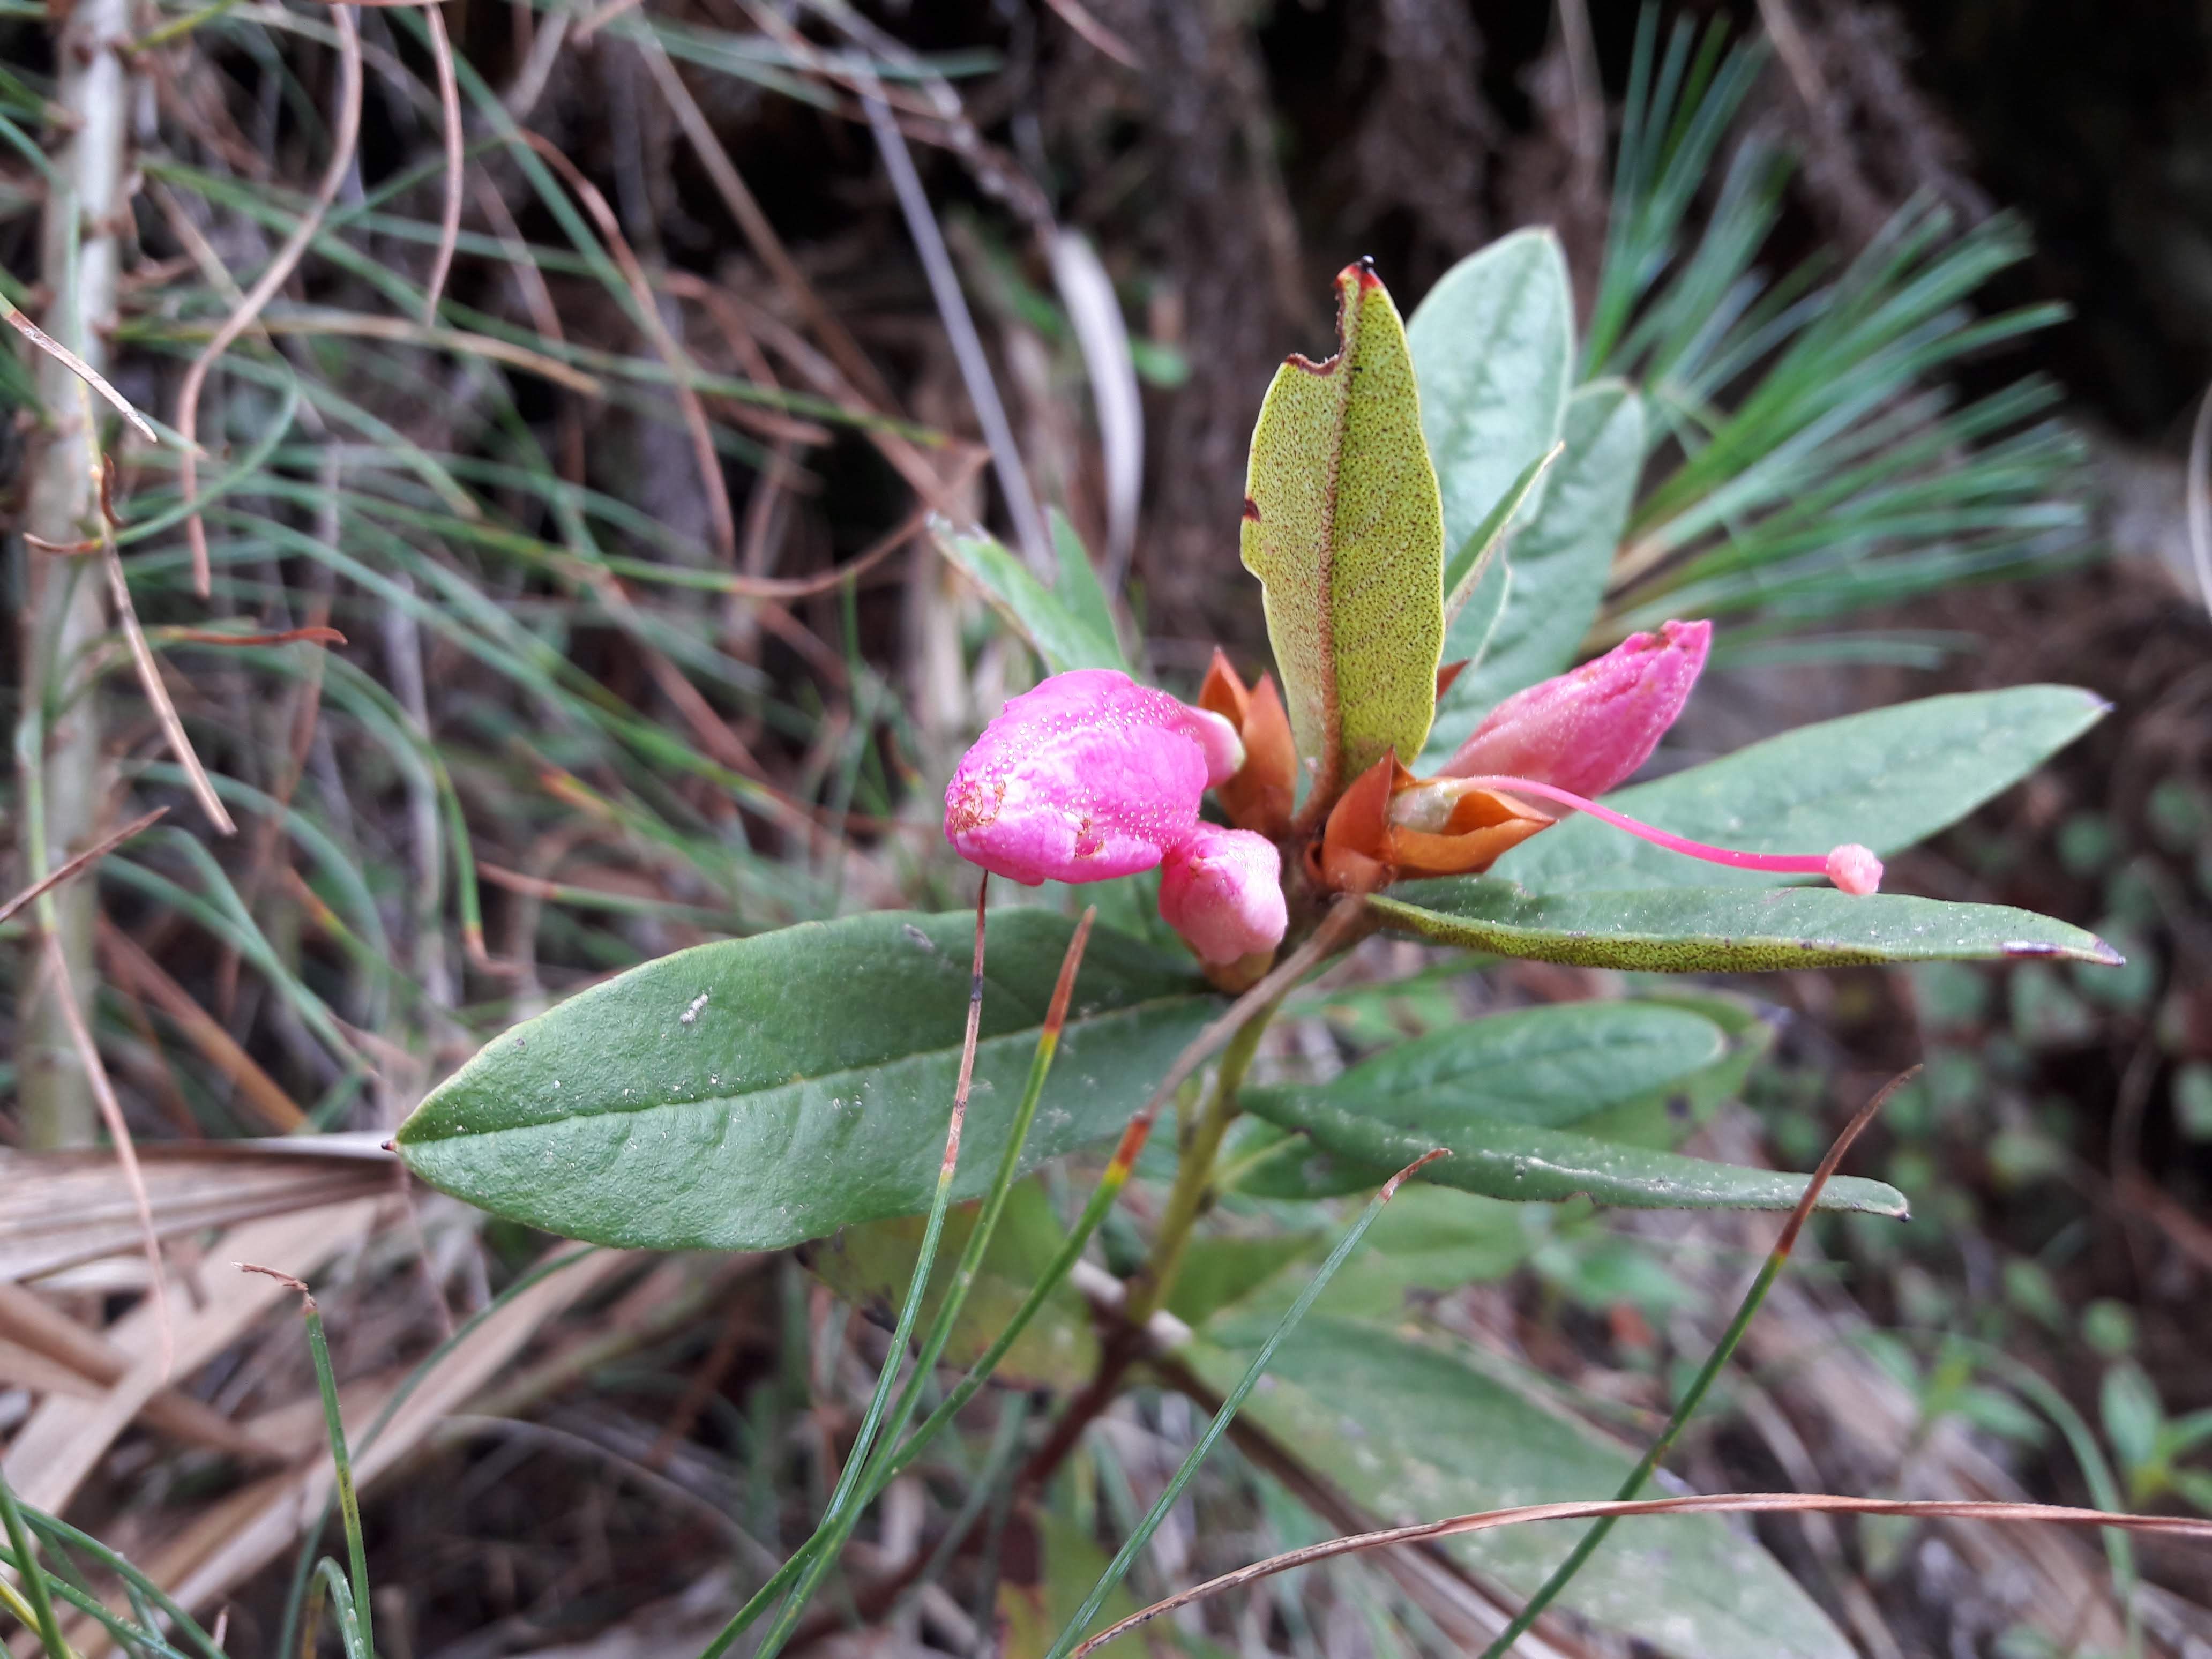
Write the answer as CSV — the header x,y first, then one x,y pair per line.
x,y
1344,526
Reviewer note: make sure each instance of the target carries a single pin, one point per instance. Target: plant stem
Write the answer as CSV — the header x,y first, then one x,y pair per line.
x,y
61,613
1194,1173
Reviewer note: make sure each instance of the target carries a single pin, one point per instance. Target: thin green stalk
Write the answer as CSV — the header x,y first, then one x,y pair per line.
x,y
835,1529
303,1570
1564,1574
1195,1172
141,1634
842,1511
350,1635
1172,1493
142,1588
319,1349
34,1577
1116,1177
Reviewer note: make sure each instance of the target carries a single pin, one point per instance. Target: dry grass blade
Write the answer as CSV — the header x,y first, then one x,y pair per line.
x,y
29,1323
2199,488
1078,18
126,1151
799,587
1693,1396
960,329
449,108
259,1092
711,481
157,693
60,1210
1094,311
761,235
91,855
280,268
315,634
64,1440
308,320
83,370
1767,1502
238,1537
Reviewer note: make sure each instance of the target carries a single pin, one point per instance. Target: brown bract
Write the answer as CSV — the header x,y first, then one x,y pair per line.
x,y
1361,849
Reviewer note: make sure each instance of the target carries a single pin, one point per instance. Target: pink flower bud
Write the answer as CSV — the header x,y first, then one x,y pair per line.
x,y
1087,777
1222,890
1588,729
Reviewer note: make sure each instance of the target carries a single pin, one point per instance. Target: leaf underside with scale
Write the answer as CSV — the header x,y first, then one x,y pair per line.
x,y
1345,529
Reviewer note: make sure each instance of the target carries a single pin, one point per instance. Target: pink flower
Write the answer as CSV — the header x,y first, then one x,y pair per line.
x,y
1587,730
1222,890
1088,776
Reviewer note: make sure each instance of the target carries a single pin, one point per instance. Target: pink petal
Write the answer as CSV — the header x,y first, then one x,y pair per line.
x,y
1590,728
1089,775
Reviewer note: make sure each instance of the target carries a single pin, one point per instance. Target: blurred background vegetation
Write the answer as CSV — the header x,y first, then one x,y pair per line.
x,y
611,361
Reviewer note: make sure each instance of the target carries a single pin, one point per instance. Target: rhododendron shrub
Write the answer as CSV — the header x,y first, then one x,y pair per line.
x,y
1444,749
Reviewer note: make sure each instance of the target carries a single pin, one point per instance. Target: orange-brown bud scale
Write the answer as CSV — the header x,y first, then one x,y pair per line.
x,y
1365,846
1261,793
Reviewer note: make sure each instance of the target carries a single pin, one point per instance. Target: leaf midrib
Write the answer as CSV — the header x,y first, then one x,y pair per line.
x,y
621,1110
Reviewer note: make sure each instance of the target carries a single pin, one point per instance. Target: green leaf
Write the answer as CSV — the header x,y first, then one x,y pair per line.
x,y
1047,1575
1546,1066
1077,588
1729,930
1466,566
1410,1431
1662,1118
1886,779
1493,345
1643,1100
1431,1240
2129,1403
1217,1272
1344,530
872,1265
1561,557
1499,1159
753,1093
1069,626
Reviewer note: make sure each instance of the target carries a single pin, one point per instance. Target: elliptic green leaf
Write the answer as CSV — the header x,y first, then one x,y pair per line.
x,y
753,1093
872,1265
1344,530
1548,1067
1412,1431
1886,779
1731,929
1493,345
1644,1072
1561,557
1500,1159
1068,625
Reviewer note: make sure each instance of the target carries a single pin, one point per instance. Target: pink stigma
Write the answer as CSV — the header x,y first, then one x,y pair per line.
x,y
1851,867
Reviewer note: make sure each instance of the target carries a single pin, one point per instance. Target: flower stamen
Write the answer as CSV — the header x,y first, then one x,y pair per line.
x,y
1851,867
